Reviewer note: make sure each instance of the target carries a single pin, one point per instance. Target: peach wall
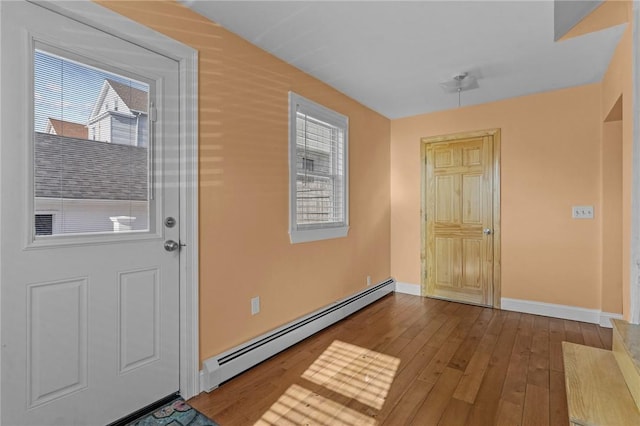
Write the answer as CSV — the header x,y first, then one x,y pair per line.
x,y
618,82
244,241
550,161
611,220
608,14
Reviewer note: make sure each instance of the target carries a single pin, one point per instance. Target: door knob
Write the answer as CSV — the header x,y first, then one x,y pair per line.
x,y
486,231
171,245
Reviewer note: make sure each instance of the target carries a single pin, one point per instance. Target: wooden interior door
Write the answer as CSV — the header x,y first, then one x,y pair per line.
x,y
460,210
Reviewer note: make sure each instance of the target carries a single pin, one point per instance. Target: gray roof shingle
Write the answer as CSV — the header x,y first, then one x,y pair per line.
x,y
85,169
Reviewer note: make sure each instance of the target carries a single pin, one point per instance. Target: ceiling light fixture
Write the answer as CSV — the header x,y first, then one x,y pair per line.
x,y
459,82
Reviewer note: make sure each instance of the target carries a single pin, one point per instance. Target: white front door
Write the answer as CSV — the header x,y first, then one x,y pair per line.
x,y
88,176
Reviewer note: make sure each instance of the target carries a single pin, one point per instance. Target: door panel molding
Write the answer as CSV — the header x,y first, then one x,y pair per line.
x,y
57,350
470,157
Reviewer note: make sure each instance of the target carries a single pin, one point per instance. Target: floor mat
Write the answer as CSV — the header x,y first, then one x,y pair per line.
x,y
176,413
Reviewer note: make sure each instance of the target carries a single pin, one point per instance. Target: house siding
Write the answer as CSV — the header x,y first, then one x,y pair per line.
x,y
102,129
124,130
143,130
113,121
112,102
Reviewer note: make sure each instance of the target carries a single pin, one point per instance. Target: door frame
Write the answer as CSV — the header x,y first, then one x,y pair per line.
x,y
495,134
633,269
101,18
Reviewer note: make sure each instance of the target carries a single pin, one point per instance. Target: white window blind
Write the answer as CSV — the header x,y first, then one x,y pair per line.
x,y
91,161
318,171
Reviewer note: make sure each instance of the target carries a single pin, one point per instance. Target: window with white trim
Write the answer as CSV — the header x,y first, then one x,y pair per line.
x,y
318,171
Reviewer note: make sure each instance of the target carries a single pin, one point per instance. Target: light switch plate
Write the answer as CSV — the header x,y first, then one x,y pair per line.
x,y
582,212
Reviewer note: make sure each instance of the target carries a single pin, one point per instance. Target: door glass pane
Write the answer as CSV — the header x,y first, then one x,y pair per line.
x,y
91,149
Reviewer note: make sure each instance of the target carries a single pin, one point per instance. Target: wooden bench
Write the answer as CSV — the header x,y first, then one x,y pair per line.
x,y
597,393
626,348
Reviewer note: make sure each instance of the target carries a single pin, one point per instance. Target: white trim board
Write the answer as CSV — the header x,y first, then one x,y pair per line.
x,y
408,288
606,317
573,313
1,124
99,17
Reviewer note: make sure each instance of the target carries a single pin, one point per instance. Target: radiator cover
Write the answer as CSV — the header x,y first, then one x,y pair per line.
x,y
219,369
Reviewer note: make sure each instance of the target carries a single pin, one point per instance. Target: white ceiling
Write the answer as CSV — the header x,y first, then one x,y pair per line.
x,y
391,55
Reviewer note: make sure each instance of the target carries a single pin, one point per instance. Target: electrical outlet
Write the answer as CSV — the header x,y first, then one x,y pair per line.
x,y
255,305
582,212
368,280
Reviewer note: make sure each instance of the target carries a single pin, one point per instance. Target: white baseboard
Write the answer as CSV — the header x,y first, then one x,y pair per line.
x,y
407,288
574,313
606,317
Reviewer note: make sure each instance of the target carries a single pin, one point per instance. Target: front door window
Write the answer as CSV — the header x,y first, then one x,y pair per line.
x,y
91,148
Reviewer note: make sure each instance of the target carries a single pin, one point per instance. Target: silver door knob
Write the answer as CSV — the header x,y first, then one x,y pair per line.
x,y
486,231
171,245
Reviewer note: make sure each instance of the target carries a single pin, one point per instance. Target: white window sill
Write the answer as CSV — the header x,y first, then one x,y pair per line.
x,y
308,235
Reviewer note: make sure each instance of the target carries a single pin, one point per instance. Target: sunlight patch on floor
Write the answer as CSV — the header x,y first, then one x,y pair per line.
x,y
355,372
300,406
351,371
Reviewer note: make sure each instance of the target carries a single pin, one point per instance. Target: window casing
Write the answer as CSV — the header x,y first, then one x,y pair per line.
x,y
318,171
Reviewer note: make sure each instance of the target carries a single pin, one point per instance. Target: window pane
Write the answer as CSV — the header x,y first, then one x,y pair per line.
x,y
319,165
91,156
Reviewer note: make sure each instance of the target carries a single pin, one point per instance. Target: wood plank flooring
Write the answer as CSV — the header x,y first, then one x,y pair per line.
x,y
407,360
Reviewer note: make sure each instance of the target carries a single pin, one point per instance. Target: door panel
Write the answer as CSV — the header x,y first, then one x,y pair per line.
x,y
57,318
471,156
443,157
139,307
471,264
446,204
445,262
458,205
90,315
472,210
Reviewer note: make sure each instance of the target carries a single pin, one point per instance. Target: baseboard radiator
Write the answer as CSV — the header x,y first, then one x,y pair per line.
x,y
225,366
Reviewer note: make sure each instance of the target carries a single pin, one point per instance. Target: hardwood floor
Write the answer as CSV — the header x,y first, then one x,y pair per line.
x,y
409,360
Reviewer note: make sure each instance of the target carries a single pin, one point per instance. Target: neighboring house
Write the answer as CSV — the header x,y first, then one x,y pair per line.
x,y
88,186
66,128
120,115
314,183
93,178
